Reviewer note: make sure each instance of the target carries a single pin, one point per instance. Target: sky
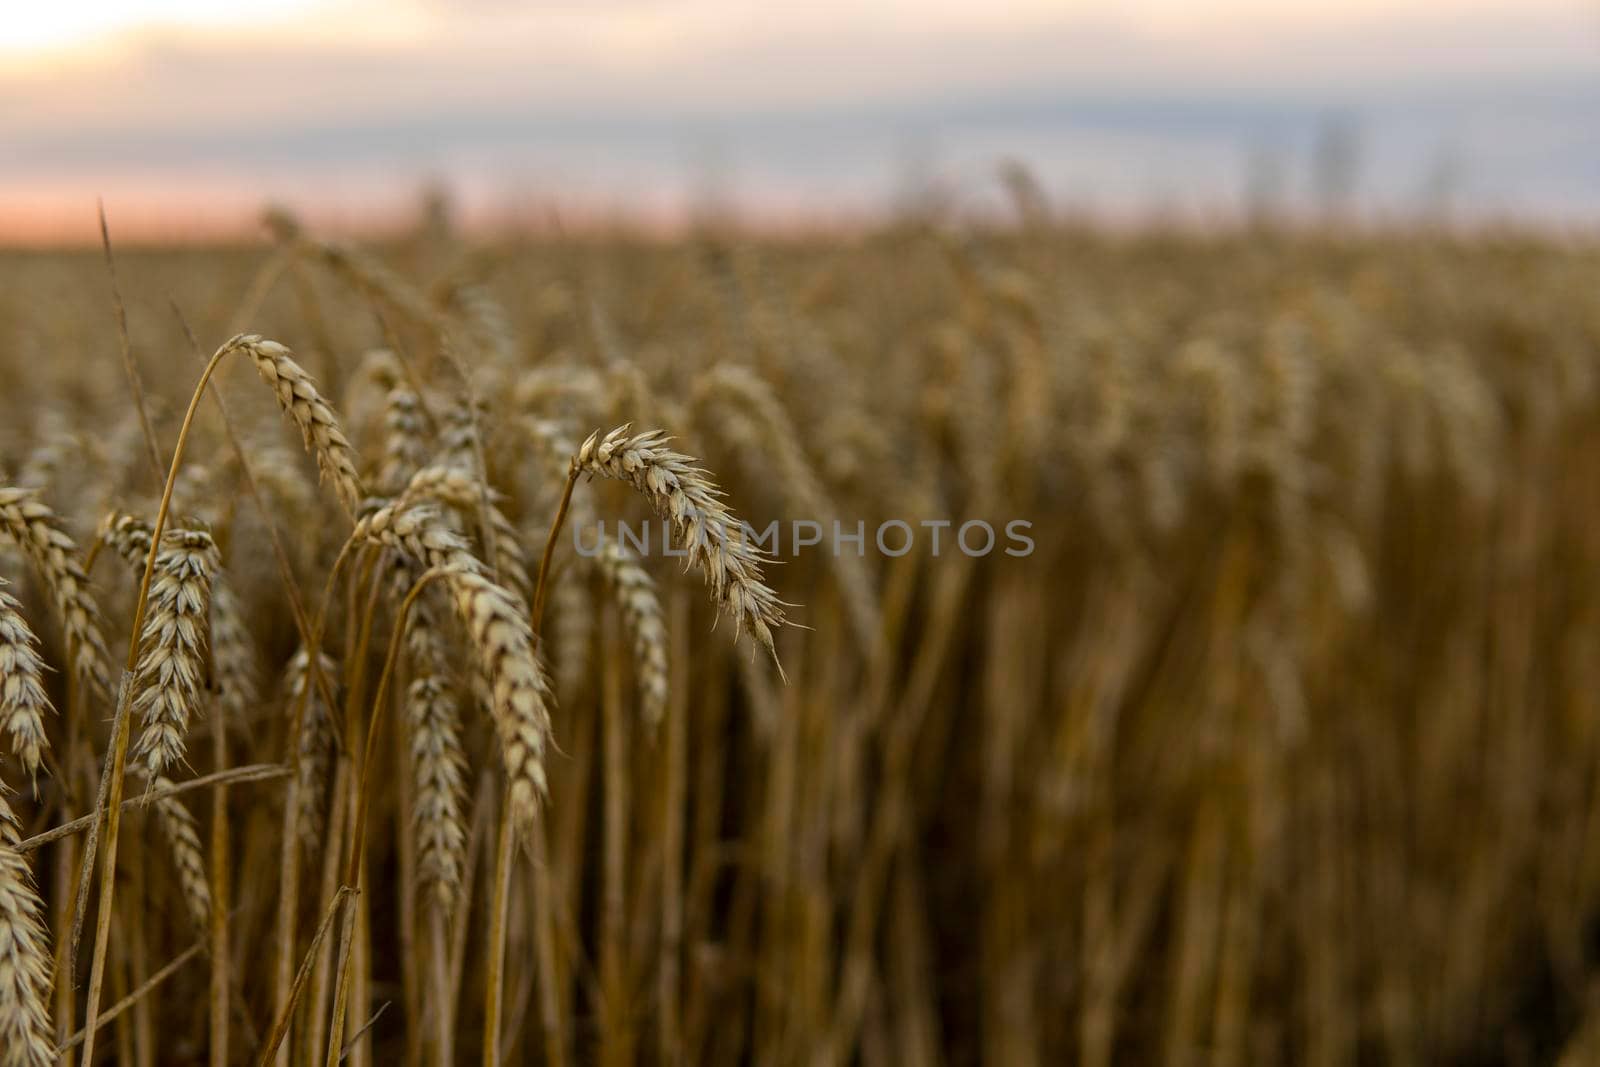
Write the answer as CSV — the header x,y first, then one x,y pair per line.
x,y
186,116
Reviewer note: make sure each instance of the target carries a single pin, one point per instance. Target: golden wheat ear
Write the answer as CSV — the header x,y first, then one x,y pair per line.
x,y
26,964
23,702
36,529
168,680
702,526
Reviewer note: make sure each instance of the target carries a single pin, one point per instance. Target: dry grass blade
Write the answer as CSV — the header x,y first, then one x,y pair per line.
x,y
255,772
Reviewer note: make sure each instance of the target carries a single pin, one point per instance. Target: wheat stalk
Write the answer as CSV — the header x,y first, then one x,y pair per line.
x,y
37,531
23,702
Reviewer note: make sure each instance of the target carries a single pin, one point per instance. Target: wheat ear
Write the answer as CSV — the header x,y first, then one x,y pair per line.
x,y
315,743
168,679
37,531
701,524
405,440
439,770
752,411
418,531
521,692
233,652
298,396
456,489
23,702
26,964
497,623
635,595
182,835
459,440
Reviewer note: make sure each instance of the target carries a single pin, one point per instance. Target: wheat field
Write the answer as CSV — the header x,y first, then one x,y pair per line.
x,y
387,674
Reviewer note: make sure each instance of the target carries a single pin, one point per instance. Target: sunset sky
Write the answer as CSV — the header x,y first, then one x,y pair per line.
x,y
187,115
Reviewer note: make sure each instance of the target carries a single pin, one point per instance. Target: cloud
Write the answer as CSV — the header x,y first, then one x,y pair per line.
x,y
628,97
